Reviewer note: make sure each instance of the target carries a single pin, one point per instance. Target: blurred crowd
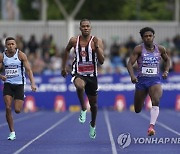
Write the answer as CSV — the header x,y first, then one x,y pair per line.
x,y
45,57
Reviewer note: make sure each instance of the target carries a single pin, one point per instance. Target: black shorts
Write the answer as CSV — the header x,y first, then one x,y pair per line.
x,y
14,90
91,84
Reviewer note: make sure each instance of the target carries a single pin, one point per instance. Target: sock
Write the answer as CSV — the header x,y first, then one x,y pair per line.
x,y
154,114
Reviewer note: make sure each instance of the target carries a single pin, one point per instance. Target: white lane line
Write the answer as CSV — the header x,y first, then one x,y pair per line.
x,y
113,145
22,119
45,132
160,124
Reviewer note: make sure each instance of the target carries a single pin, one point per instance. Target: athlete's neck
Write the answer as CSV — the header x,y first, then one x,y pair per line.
x,y
85,37
10,53
149,47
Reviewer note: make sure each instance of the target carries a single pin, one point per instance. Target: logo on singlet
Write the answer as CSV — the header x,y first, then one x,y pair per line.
x,y
83,53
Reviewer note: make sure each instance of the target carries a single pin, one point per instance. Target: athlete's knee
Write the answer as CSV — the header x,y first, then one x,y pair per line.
x,y
17,111
93,106
79,87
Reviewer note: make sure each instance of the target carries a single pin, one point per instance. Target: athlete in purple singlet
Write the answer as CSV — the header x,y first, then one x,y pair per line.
x,y
148,81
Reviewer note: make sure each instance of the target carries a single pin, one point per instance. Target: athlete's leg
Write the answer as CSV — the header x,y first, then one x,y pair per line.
x,y
155,93
93,108
139,98
80,88
8,103
18,104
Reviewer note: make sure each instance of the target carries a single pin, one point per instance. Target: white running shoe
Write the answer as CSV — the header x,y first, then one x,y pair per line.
x,y
12,136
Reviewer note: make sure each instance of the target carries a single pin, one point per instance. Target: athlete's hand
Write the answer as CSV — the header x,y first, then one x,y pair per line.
x,y
64,73
33,87
3,77
165,75
134,79
95,40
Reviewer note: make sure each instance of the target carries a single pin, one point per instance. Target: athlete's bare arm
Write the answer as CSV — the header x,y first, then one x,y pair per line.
x,y
1,60
25,61
2,77
133,58
99,49
166,59
71,43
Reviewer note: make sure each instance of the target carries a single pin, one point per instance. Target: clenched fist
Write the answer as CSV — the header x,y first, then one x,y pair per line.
x,y
95,40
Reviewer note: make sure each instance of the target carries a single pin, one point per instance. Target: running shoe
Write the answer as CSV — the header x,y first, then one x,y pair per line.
x,y
92,132
151,130
12,136
82,116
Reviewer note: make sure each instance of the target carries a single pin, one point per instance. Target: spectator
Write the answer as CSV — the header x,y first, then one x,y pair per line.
x,y
32,45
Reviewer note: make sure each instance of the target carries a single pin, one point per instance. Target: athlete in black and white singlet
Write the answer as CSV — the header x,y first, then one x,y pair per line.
x,y
85,62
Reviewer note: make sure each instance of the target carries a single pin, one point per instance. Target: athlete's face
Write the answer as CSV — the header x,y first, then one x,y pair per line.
x,y
85,28
148,37
11,46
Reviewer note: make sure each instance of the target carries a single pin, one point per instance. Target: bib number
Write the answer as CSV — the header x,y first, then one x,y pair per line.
x,y
147,70
11,73
85,68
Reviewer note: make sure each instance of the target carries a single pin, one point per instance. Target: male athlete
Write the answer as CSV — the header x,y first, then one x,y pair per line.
x,y
15,63
148,80
88,52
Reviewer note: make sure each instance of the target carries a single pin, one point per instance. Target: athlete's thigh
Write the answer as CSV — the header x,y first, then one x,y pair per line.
x,y
8,94
139,98
79,82
155,92
19,92
91,86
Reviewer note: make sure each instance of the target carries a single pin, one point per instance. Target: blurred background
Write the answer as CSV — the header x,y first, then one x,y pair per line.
x,y
42,29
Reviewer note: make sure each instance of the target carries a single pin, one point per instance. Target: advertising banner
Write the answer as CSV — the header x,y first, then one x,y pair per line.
x,y
115,91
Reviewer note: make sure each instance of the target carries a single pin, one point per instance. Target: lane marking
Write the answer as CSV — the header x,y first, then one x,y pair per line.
x,y
160,124
45,132
113,145
22,119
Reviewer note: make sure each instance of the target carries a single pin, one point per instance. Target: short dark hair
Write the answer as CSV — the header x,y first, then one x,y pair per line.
x,y
85,19
10,38
146,29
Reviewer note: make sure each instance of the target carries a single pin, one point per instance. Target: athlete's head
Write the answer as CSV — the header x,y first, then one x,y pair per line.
x,y
147,35
85,27
10,44
146,29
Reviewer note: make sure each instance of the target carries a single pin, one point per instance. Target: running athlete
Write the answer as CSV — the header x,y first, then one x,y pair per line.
x,y
88,52
14,79
148,80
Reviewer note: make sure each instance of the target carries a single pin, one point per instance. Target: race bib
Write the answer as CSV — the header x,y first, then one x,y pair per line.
x,y
11,72
147,70
85,68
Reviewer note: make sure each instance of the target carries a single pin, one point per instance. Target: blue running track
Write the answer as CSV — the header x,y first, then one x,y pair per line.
x,y
47,132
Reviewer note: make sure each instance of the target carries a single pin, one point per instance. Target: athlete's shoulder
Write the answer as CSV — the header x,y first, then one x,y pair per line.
x,y
21,55
73,39
138,48
161,48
